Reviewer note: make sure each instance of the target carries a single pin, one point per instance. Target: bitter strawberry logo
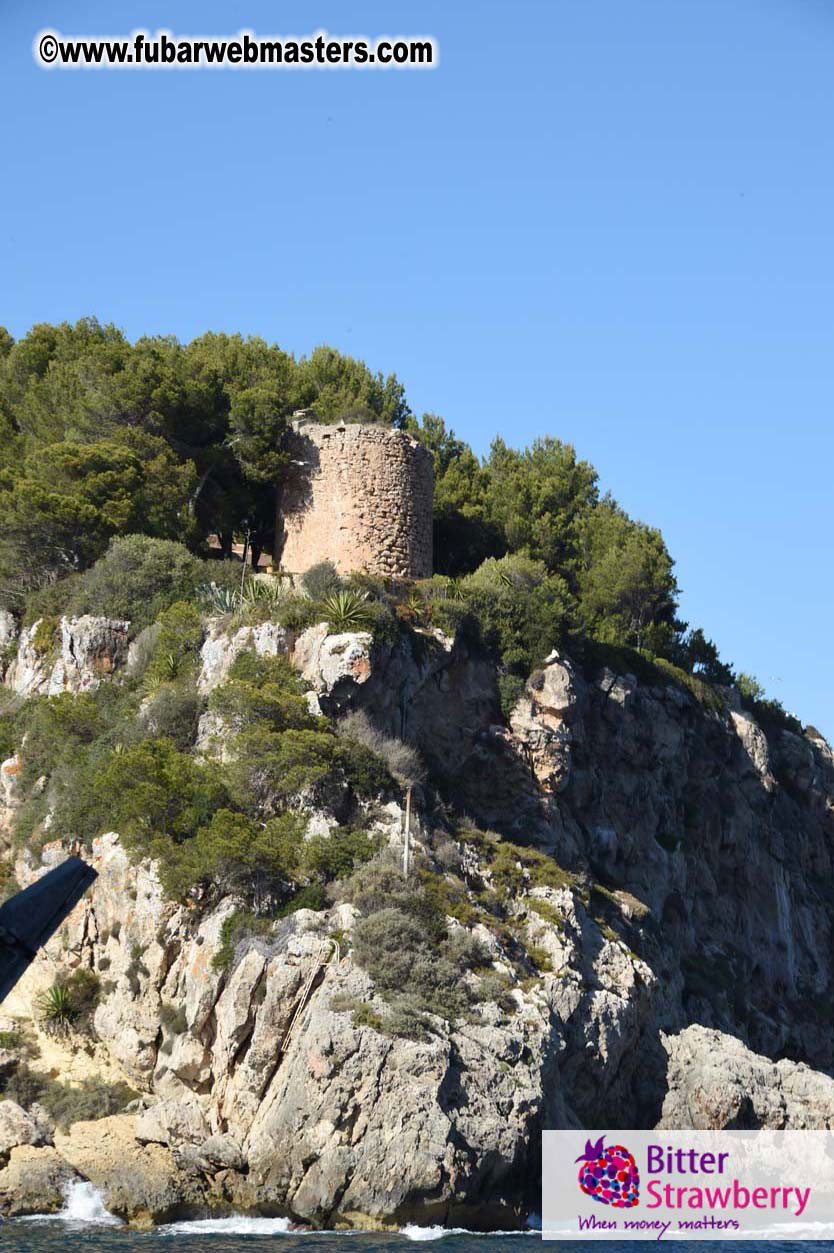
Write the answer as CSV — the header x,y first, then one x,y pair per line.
x,y
609,1175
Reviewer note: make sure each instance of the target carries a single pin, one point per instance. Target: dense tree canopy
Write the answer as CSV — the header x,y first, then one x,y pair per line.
x,y
101,438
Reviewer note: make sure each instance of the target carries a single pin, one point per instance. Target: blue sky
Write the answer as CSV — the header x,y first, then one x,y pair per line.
x,y
606,221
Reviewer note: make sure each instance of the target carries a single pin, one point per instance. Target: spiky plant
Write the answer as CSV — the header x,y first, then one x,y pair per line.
x,y
262,594
347,610
56,1007
219,600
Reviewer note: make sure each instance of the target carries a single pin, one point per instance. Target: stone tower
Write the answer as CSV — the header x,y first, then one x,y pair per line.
x,y
359,496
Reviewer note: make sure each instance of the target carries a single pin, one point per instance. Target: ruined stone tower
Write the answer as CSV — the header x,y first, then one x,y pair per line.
x,y
359,496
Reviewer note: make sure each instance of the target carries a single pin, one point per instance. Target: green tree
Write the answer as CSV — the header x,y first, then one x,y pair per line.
x,y
342,389
539,498
464,531
626,582
160,796
61,507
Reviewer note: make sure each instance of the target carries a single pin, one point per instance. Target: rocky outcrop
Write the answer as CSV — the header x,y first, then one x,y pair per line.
x,y
17,1128
220,649
34,1181
141,1183
687,943
73,655
715,1082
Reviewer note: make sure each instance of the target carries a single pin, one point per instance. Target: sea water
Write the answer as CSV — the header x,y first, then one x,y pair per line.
x,y
84,1226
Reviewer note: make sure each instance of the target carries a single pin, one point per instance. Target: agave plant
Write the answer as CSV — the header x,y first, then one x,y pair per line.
x,y
219,599
414,607
262,594
347,610
56,1007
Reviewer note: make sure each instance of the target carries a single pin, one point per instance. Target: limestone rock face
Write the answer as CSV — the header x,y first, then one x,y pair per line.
x,y
684,943
220,649
140,1183
83,652
716,1083
546,720
34,1181
16,1128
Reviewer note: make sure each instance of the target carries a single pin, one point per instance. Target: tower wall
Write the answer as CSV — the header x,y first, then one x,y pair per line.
x,y
359,496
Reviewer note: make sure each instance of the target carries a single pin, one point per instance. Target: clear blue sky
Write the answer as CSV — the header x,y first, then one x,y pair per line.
x,y
607,221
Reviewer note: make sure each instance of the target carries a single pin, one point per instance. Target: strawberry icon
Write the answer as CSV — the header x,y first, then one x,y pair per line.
x,y
609,1175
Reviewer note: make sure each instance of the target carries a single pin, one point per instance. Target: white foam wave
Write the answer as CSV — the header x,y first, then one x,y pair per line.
x,y
84,1204
237,1225
413,1232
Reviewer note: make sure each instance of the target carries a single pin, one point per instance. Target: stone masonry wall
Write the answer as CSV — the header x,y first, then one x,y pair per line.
x,y
359,496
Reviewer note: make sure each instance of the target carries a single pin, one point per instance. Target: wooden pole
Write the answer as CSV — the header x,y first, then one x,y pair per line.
x,y
407,843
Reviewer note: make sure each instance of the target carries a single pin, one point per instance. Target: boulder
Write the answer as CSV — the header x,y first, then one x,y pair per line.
x,y
34,1182
715,1082
140,1183
17,1128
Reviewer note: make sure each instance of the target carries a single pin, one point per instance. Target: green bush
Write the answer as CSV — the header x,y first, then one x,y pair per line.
x,y
346,610
263,690
157,794
403,943
238,926
136,579
46,637
337,855
235,854
176,653
384,757
174,713
173,1018
64,1103
510,690
321,580
272,770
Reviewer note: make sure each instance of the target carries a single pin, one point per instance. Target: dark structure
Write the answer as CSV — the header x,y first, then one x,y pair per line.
x,y
31,917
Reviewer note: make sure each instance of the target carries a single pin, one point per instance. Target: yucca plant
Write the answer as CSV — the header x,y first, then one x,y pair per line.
x,y
413,608
347,610
219,599
56,1007
262,594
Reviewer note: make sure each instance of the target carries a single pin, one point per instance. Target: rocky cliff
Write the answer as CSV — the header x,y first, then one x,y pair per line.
x,y
670,965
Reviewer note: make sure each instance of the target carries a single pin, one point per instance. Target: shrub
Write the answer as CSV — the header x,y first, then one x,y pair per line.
x,y
157,794
136,579
402,760
337,855
270,770
510,690
261,597
321,580
56,1008
66,1104
84,988
178,642
236,854
520,626
46,636
297,613
347,610
402,942
173,1018
263,690
237,927
173,713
